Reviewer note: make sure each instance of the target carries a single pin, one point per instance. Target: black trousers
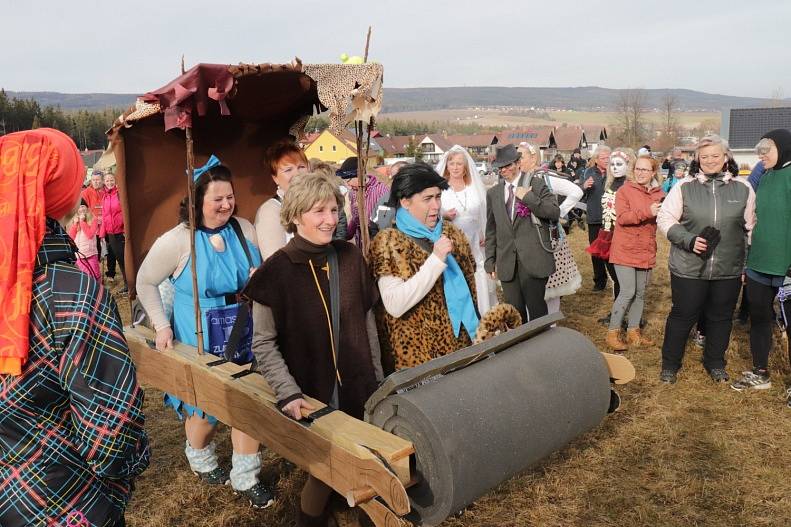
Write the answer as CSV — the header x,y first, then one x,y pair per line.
x,y
115,242
601,268
110,273
526,294
716,299
760,299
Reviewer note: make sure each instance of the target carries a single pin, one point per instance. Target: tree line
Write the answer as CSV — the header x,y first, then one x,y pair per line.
x,y
86,128
387,126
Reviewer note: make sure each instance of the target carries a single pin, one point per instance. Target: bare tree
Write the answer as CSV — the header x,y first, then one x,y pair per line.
x,y
776,98
631,120
669,120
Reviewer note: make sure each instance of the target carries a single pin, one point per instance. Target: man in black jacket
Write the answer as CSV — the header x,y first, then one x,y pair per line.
x,y
593,187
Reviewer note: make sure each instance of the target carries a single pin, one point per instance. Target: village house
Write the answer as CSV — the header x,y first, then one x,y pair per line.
x,y
332,147
569,138
541,136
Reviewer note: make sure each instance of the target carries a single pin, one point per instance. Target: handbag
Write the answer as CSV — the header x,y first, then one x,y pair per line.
x,y
600,247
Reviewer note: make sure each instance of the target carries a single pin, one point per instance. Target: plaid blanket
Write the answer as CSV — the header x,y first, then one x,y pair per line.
x,y
71,426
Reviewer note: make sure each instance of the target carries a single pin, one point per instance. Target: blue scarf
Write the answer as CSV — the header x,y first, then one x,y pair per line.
x,y
458,298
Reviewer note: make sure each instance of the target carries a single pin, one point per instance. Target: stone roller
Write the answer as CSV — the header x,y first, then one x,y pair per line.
x,y
483,414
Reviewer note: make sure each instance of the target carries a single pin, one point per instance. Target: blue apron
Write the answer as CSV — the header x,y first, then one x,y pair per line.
x,y
220,277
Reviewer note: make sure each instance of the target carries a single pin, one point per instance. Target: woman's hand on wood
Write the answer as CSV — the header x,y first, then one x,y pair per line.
x,y
294,408
164,339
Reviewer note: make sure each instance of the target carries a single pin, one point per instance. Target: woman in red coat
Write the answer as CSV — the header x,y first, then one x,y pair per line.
x,y
633,249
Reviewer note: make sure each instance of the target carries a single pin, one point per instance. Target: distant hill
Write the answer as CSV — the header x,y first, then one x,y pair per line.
x,y
416,99
77,101
583,98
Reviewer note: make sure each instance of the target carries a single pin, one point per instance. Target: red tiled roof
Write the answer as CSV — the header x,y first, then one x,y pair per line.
x,y
440,140
595,132
540,136
394,145
568,137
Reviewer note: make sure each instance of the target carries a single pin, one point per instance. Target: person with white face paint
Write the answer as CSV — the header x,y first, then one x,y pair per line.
x,y
620,164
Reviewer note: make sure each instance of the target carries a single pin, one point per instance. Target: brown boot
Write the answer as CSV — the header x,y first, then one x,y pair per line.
x,y
614,340
635,337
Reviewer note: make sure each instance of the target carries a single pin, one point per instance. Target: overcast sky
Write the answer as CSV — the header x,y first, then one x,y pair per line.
x,y
732,47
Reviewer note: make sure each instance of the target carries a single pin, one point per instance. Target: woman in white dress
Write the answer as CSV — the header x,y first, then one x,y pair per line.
x,y
566,279
464,203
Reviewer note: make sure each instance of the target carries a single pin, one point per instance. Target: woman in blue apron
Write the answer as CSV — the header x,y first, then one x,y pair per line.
x,y
226,254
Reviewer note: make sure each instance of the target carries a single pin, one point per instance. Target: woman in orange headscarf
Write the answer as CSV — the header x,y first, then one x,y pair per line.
x,y
62,354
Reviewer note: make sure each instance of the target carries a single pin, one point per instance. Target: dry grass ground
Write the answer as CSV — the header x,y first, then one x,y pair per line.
x,y
690,454
493,117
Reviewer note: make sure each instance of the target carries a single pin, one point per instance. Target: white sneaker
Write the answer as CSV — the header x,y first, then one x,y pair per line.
x,y
752,380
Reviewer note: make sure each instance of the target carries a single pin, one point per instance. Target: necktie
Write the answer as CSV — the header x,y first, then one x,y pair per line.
x,y
509,204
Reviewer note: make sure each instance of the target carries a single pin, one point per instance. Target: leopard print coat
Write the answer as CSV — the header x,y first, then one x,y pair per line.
x,y
424,332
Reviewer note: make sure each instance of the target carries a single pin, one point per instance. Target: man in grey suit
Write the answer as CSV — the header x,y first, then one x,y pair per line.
x,y
518,239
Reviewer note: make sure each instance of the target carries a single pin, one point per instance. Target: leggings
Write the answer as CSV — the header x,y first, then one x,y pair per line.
x,y
761,302
632,291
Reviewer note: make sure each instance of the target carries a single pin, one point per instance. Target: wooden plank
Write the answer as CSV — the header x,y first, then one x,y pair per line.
x,y
333,448
621,369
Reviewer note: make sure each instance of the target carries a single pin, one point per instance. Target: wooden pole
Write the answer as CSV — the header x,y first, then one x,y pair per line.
x,y
367,44
362,166
193,265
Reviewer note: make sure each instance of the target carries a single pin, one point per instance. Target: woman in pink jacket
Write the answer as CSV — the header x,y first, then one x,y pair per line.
x,y
83,231
112,226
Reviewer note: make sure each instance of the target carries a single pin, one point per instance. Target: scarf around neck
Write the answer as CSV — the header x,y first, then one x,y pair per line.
x,y
458,298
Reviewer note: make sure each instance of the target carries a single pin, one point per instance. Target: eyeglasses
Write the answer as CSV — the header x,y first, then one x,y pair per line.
x,y
643,170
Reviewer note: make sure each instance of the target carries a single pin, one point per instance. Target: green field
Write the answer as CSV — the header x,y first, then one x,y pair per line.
x,y
496,117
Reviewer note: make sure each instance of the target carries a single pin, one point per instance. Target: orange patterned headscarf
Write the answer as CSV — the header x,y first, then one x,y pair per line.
x,y
40,175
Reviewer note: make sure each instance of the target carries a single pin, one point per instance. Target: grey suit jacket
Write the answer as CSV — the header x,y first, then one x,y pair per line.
x,y
510,244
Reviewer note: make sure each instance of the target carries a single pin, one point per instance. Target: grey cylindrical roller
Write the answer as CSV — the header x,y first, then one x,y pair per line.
x,y
478,426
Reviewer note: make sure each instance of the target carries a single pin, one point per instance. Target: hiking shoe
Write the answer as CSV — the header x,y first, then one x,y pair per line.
x,y
756,379
668,376
699,339
719,375
218,476
259,496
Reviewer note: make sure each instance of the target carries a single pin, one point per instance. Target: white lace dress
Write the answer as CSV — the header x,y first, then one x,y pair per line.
x,y
468,213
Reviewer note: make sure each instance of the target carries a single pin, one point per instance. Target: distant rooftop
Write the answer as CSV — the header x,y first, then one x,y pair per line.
x,y
747,125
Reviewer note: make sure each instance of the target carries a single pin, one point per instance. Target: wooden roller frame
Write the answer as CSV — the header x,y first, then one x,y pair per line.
x,y
366,465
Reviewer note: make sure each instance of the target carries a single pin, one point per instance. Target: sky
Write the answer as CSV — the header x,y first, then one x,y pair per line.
x,y
731,47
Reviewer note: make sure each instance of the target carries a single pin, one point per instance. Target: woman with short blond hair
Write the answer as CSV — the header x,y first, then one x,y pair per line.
x,y
708,217
314,332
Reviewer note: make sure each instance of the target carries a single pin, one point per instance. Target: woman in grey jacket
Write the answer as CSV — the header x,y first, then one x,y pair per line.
x,y
708,218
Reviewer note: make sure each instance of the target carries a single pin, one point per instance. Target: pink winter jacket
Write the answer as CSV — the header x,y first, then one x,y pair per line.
x,y
84,236
112,215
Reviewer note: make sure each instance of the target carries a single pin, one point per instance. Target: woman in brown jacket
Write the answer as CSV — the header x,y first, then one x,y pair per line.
x,y
633,249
